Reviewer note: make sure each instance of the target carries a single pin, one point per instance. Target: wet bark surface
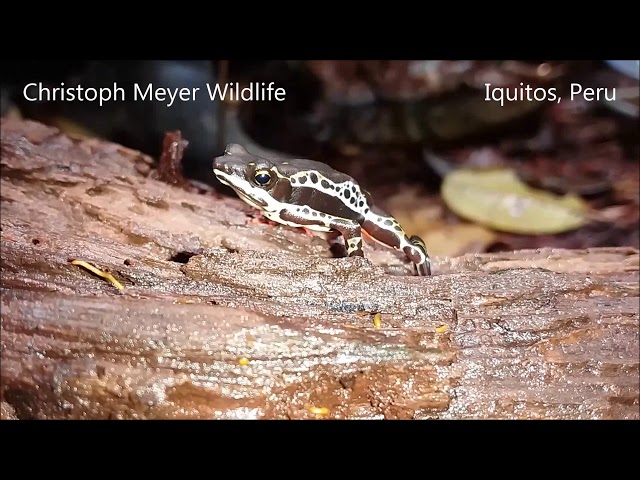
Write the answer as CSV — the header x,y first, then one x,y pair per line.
x,y
224,317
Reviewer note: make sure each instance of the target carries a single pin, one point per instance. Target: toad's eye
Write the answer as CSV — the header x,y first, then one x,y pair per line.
x,y
262,177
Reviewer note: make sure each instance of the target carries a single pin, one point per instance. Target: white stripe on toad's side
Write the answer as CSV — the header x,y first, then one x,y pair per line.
x,y
251,195
347,185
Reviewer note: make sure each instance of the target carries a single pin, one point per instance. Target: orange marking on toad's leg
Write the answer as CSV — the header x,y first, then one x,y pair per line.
x,y
374,240
260,218
308,232
366,234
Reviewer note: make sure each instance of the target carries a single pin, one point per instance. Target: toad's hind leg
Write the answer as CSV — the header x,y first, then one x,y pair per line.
x,y
386,230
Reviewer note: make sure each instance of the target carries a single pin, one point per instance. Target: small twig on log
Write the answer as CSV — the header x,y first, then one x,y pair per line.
x,y
170,164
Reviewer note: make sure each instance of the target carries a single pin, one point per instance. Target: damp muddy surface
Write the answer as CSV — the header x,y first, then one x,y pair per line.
x,y
221,316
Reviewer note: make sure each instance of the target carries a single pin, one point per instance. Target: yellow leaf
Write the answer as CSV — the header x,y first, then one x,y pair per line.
x,y
319,410
497,198
98,272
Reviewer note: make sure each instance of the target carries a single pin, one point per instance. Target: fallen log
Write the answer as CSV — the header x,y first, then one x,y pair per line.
x,y
221,317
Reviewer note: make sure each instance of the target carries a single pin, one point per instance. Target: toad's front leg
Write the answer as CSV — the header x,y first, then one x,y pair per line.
x,y
349,229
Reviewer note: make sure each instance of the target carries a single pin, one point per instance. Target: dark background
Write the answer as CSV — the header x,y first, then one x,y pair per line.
x,y
398,127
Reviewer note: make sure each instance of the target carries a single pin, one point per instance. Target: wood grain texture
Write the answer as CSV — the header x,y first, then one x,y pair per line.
x,y
224,318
